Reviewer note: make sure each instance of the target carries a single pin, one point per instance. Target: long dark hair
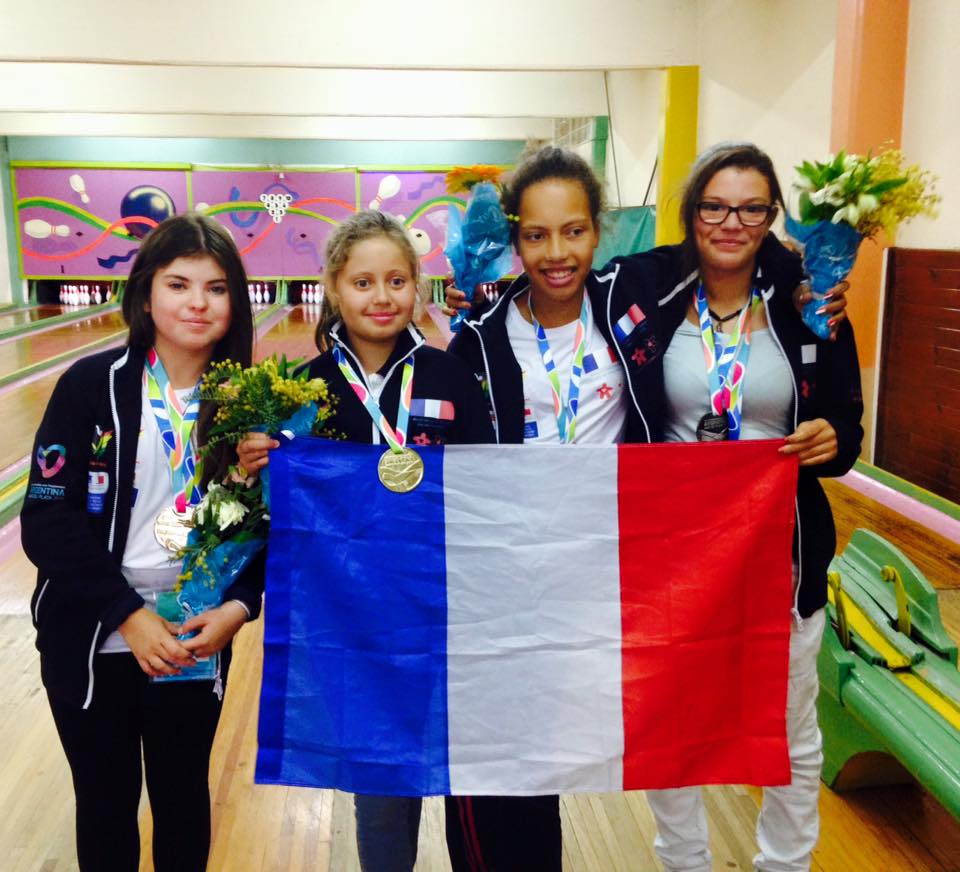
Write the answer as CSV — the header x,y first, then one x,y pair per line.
x,y
742,156
193,235
551,162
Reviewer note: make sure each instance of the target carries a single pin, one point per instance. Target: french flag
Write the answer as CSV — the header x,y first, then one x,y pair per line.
x,y
442,410
530,619
628,323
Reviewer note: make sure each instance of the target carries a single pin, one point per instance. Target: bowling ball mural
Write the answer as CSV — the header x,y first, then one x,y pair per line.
x,y
87,222
146,201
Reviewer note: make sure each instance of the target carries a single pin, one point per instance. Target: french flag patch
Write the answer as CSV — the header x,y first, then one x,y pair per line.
x,y
590,362
441,410
628,323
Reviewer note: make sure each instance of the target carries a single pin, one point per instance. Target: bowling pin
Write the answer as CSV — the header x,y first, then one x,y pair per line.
x,y
79,186
389,187
37,228
96,295
107,294
305,293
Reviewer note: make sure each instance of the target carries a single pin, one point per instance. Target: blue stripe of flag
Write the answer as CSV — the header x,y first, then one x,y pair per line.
x,y
369,666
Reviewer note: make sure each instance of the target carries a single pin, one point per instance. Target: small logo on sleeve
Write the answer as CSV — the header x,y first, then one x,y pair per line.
x,y
101,439
51,459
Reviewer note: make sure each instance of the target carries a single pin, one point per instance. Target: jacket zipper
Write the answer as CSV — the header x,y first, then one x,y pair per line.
x,y
795,611
36,607
486,369
626,370
113,520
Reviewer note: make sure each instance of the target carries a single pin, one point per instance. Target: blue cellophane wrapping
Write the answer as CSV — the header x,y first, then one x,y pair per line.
x,y
204,590
225,562
478,243
829,251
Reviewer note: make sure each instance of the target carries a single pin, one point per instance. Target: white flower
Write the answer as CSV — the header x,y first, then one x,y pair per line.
x,y
803,184
850,161
849,213
867,203
228,513
818,198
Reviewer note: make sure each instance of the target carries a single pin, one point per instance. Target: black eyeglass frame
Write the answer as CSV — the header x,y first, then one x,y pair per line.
x,y
768,212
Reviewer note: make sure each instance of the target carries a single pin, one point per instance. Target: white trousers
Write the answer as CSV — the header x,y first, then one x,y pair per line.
x,y
789,824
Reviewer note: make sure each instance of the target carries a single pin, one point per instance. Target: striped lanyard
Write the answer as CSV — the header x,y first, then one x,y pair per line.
x,y
175,421
396,439
727,363
566,413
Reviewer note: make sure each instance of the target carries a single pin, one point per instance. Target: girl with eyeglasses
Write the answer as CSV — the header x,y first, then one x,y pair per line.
x,y
770,378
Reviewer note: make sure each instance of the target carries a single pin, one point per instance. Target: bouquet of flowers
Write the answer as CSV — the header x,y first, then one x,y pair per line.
x,y
478,243
844,201
231,522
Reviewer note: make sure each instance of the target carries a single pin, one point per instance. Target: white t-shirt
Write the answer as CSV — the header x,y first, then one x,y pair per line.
x,y
602,416
147,566
767,387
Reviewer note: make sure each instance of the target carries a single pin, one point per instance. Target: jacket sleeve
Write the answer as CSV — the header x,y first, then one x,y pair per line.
x,y
248,588
474,407
840,400
57,534
784,266
650,276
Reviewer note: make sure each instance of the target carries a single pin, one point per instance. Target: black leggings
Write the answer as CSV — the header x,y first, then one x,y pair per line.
x,y
174,724
504,833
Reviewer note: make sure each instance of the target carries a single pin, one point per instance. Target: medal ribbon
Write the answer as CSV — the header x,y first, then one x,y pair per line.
x,y
396,439
566,413
176,423
727,364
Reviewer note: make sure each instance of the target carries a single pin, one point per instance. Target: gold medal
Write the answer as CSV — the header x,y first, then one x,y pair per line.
x,y
400,471
172,528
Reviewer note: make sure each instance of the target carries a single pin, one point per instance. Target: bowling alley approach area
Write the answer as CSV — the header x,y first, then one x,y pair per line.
x,y
271,126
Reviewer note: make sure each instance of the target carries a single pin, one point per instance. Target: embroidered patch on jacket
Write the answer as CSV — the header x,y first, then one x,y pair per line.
x,y
808,354
628,323
49,468
101,439
98,483
46,492
441,410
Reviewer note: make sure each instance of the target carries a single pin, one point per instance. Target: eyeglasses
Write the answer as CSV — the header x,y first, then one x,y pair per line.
x,y
749,214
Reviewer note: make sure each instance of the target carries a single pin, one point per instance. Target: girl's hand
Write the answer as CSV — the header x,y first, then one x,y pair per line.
x,y
217,627
153,642
813,442
455,299
254,450
833,304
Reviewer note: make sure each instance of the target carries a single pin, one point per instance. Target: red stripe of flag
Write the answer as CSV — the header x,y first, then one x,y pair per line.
x,y
706,595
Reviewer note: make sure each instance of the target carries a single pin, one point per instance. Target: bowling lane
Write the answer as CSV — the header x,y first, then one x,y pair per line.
x,y
23,406
293,336
23,351
30,315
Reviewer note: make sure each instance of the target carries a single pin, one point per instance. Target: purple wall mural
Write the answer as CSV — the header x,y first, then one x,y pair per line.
x,y
78,222
308,205
89,222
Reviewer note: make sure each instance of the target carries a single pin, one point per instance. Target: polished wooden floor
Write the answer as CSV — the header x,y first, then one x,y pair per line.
x,y
258,828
